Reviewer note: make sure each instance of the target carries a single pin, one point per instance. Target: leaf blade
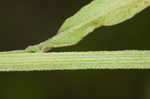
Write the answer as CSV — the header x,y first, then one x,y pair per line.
x,y
96,14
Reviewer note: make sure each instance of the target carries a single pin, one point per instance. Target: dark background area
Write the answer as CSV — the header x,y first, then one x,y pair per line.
x,y
26,22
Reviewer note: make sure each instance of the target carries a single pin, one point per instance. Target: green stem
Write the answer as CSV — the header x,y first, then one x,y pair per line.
x,y
21,61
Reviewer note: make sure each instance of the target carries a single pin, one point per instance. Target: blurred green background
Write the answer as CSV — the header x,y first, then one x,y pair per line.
x,y
26,22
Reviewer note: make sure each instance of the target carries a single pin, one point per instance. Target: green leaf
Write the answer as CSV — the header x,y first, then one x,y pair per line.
x,y
96,14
